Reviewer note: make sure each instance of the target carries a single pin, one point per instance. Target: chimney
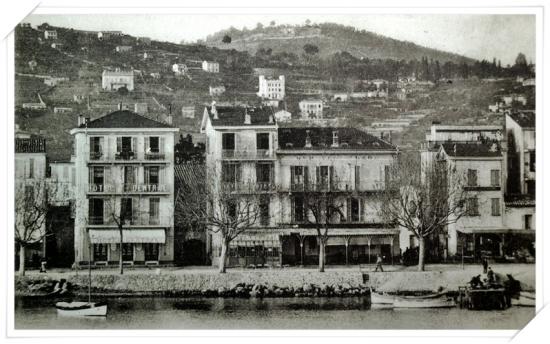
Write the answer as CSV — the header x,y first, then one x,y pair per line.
x,y
169,118
80,120
271,120
120,106
246,116
213,110
308,140
335,139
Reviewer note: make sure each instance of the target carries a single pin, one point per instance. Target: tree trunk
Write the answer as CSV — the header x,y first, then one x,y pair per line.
x,y
120,260
223,257
321,256
21,260
421,253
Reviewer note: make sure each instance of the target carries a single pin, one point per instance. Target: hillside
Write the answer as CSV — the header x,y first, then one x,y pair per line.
x,y
330,39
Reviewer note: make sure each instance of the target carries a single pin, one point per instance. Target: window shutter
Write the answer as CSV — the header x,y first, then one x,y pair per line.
x,y
357,177
330,177
292,171
317,175
147,143
119,144
90,175
305,172
292,210
146,175
348,209
107,177
134,144
238,173
161,175
361,209
106,148
161,144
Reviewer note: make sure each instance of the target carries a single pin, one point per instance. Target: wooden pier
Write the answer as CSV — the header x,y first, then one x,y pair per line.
x,y
482,299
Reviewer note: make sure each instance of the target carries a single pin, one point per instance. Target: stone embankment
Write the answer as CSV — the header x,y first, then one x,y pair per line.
x,y
268,283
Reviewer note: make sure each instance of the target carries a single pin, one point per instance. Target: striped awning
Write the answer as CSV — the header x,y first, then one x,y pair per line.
x,y
130,236
267,240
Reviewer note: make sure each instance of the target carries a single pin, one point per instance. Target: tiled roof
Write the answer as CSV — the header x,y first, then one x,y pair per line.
x,y
34,144
524,119
321,138
475,149
124,119
234,115
520,201
189,175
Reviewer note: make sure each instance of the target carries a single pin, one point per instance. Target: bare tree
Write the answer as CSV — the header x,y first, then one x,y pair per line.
x,y
225,208
324,206
33,201
423,197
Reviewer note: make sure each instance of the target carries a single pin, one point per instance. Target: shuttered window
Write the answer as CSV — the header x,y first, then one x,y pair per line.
x,y
495,206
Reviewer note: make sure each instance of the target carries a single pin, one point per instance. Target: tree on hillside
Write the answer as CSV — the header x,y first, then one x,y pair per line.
x,y
226,39
272,23
311,49
220,206
521,60
423,198
259,26
33,201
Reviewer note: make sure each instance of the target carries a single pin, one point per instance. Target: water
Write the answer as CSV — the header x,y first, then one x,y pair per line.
x,y
278,313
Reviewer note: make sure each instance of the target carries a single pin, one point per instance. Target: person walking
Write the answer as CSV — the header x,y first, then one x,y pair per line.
x,y
378,263
484,263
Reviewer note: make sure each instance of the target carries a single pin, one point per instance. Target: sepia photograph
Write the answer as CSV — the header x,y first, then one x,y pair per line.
x,y
359,171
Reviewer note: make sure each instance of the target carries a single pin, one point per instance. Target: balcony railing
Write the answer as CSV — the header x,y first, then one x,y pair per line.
x,y
128,188
96,155
248,187
136,220
127,155
247,154
334,186
154,156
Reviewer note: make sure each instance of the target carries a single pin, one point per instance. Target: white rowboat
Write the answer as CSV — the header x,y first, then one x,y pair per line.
x,y
81,308
441,302
381,299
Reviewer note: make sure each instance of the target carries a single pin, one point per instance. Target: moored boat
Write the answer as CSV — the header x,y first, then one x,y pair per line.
x,y
440,302
525,299
381,298
81,308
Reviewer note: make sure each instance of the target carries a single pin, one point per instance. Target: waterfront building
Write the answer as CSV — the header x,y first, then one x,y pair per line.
x,y
271,88
125,170
520,130
247,149
113,80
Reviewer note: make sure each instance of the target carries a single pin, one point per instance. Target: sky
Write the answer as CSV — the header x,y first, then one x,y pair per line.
x,y
480,36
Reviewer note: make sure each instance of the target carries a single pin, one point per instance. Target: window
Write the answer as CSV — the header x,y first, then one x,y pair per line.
x,y
230,173
96,148
472,177
228,141
495,177
152,174
97,178
126,210
354,210
154,144
298,176
528,221
262,141
532,157
31,168
264,173
495,206
100,252
264,210
129,177
151,251
298,210
323,176
127,252
472,207
386,174
95,211
154,210
125,146
232,209
29,194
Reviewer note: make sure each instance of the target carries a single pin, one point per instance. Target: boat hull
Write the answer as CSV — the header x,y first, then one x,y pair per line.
x,y
443,302
80,309
381,299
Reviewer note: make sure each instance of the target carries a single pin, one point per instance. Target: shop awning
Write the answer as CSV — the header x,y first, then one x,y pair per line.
x,y
267,240
130,236
496,231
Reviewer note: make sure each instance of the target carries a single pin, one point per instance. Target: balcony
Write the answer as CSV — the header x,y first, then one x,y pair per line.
x,y
242,187
246,154
96,155
128,188
334,187
154,156
126,155
137,220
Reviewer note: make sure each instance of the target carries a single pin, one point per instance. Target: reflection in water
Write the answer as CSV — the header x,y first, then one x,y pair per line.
x,y
279,313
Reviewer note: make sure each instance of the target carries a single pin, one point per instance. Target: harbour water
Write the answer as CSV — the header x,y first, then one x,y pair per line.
x,y
270,313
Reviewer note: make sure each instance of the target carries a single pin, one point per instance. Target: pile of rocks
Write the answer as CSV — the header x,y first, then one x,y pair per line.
x,y
307,290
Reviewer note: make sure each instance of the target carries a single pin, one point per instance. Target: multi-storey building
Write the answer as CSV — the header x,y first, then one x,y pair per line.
x,y
246,149
311,108
271,88
125,170
50,34
520,128
113,80
210,66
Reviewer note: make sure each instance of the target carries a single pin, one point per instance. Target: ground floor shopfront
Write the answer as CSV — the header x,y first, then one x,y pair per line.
x,y
295,248
139,247
505,244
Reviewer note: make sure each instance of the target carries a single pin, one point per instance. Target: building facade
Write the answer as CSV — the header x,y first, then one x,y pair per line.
x,y
520,130
311,108
210,66
125,174
271,88
113,80
276,165
50,34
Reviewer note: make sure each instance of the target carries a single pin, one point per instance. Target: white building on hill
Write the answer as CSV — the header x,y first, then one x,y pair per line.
x,y
113,80
271,88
